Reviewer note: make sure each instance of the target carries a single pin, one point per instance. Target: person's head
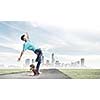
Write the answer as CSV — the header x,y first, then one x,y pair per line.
x,y
24,38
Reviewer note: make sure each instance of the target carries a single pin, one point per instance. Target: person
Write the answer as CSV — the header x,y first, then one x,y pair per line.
x,y
28,45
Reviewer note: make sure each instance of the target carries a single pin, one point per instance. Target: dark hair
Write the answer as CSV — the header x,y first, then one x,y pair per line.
x,y
22,37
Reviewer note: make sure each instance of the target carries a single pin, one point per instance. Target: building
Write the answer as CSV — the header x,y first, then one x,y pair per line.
x,y
57,63
52,58
82,61
47,62
27,61
33,61
43,59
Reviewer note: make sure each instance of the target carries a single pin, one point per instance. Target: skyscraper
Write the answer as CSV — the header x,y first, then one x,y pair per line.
x,y
82,61
57,63
43,59
32,61
47,62
52,59
27,61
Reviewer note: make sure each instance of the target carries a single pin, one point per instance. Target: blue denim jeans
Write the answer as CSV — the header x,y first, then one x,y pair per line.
x,y
38,52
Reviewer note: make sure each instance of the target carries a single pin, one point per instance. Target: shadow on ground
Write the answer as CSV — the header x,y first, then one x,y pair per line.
x,y
46,74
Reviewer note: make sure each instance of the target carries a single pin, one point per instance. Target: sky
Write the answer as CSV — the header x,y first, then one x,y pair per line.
x,y
65,27
68,28
48,38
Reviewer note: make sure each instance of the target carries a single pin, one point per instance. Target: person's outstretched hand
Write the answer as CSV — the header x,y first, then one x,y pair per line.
x,y
18,59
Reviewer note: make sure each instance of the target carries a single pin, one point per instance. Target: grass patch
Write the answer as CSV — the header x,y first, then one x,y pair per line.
x,y
8,71
82,73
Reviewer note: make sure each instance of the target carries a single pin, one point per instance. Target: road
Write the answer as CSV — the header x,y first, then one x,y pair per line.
x,y
45,74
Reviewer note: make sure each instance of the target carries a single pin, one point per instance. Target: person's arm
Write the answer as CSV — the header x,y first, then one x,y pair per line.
x,y
21,55
27,35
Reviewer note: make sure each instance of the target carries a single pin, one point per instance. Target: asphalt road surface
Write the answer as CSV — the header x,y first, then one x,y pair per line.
x,y
45,74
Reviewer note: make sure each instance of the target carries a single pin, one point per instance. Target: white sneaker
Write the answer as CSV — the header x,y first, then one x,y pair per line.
x,y
40,72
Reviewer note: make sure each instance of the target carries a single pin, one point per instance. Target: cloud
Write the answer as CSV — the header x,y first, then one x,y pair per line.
x,y
75,43
49,38
7,49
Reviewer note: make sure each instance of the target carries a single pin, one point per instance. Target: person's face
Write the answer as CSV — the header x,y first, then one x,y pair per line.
x,y
25,38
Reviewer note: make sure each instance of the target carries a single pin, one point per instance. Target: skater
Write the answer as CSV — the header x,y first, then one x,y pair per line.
x,y
29,46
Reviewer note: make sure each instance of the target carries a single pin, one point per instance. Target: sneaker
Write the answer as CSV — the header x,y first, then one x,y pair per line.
x,y
40,72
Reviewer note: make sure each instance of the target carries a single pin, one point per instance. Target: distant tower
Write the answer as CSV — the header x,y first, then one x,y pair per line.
x,y
43,59
32,61
27,61
52,59
47,62
57,63
82,61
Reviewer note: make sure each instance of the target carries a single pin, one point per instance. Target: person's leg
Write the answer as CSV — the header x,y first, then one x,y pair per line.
x,y
34,71
38,52
37,67
38,60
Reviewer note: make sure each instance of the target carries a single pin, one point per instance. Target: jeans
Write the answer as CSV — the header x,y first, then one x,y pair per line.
x,y
38,52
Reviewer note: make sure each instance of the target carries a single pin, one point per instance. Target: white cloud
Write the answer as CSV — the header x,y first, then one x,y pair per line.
x,y
74,43
53,39
35,24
